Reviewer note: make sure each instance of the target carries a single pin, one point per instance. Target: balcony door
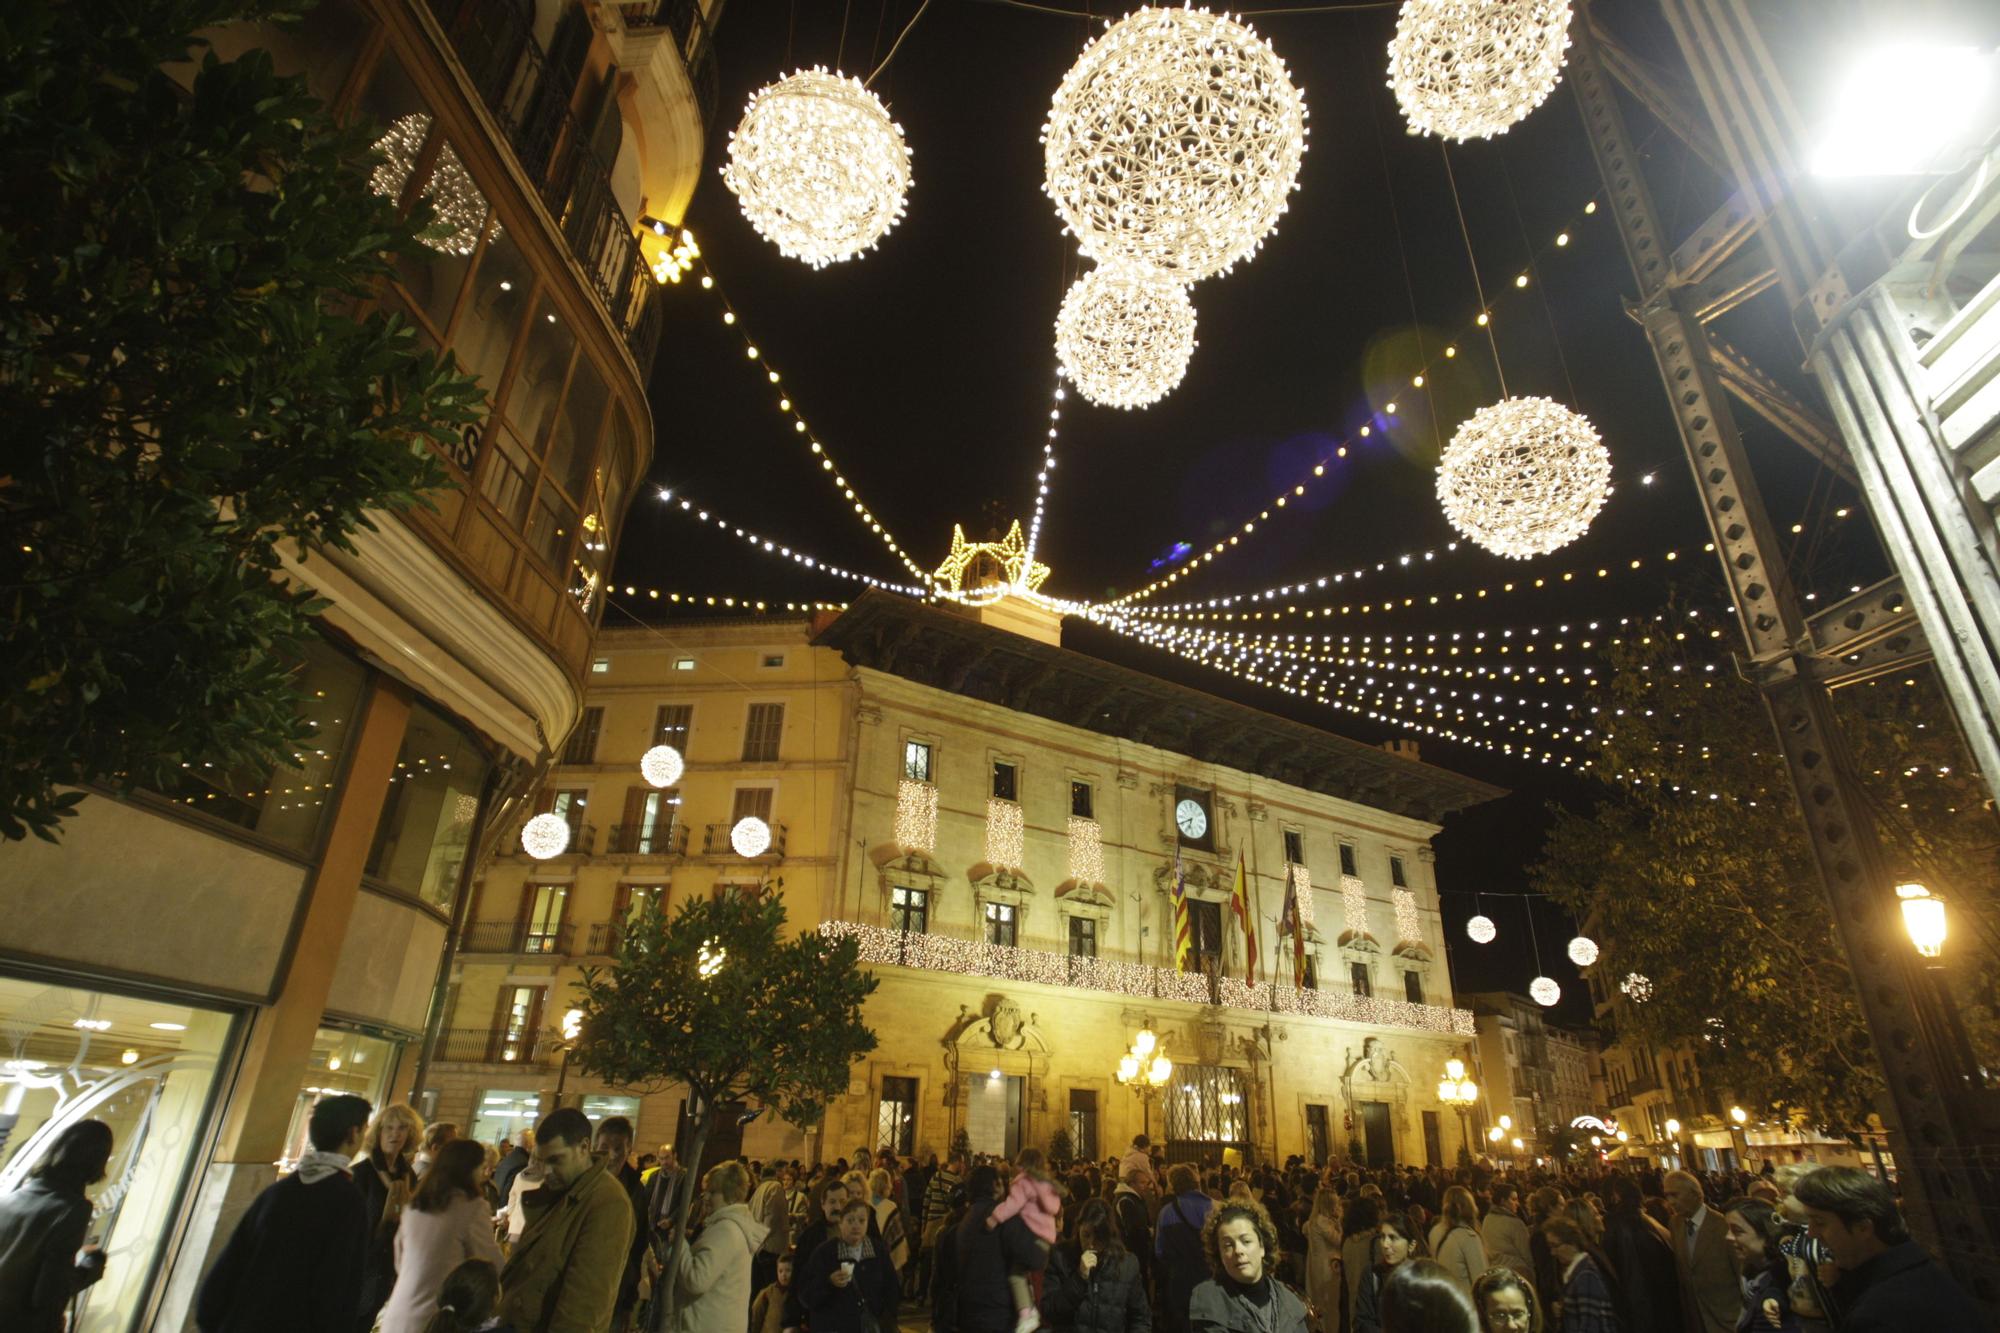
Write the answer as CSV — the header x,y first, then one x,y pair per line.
x,y
544,910
519,1019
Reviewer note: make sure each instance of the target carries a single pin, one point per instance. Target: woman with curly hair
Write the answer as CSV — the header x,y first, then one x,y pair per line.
x,y
386,1177
1244,1294
1506,1303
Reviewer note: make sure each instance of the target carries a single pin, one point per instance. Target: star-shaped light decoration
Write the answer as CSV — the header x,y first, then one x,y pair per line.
x,y
1011,551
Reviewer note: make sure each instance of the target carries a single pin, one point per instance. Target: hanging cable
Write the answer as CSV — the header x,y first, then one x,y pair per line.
x,y
1485,320
897,44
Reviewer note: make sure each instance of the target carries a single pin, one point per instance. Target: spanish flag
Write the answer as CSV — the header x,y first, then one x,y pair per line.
x,y
1246,917
1288,924
1183,926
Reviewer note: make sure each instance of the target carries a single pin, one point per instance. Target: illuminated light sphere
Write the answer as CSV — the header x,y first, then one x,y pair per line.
x,y
1524,477
545,836
818,167
751,836
1173,142
1583,951
1481,929
1124,337
661,766
1638,987
1468,69
1544,991
457,206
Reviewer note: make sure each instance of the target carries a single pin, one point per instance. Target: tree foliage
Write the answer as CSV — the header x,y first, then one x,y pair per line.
x,y
188,392
1693,868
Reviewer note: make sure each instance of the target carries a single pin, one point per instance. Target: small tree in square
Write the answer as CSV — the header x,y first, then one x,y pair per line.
x,y
719,1000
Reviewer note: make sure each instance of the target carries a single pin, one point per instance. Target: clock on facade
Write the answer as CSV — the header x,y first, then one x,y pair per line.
x,y
1191,818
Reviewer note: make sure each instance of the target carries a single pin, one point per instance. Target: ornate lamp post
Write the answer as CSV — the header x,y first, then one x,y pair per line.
x,y
1460,1093
1145,1069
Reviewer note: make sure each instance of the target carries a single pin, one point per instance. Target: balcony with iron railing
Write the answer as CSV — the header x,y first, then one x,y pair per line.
x,y
530,101
716,841
497,1046
687,21
648,840
516,937
582,841
605,937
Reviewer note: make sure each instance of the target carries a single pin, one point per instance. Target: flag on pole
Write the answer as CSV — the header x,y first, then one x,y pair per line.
x,y
1183,927
1239,903
1288,924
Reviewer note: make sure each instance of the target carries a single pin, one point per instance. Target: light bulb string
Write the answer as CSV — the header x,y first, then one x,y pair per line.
x,y
1048,466
770,546
1340,662
707,603
1478,287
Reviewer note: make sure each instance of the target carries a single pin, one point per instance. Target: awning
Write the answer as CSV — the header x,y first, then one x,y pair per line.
x,y
1713,1138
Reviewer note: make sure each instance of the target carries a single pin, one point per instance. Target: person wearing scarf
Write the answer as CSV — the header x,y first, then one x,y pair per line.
x,y
1243,1295
849,1284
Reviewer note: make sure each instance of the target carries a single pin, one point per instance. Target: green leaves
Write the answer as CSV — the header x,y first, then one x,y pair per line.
x,y
186,392
719,999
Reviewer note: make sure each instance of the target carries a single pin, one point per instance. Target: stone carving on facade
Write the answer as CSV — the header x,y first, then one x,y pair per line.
x,y
1002,1027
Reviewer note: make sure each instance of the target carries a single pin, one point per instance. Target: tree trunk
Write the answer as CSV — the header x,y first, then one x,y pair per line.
x,y
682,1206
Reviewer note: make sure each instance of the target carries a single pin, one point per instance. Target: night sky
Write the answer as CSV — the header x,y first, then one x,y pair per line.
x,y
926,368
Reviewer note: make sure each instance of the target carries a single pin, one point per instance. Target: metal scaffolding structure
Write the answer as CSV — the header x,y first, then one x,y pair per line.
x,y
1769,237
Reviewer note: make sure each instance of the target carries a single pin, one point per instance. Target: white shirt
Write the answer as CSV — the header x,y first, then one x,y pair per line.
x,y
1569,1269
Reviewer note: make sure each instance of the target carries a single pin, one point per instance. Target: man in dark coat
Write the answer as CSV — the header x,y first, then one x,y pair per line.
x,y
294,1261
510,1165
614,1146
1888,1284
982,1257
1135,1224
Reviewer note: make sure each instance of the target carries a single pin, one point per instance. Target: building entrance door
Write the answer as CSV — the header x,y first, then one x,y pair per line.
x,y
993,1113
1433,1144
1319,1135
1376,1139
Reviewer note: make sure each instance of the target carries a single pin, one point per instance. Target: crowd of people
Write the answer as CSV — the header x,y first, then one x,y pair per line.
x,y
393,1226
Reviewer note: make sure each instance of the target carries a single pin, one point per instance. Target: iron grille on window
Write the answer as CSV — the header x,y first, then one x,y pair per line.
x,y
896,1115
761,730
582,746
1207,1107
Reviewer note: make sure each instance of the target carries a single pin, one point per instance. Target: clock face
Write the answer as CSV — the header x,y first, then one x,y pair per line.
x,y
1192,819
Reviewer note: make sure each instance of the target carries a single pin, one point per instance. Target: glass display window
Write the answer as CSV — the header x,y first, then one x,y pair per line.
x,y
502,1113
146,1068
429,811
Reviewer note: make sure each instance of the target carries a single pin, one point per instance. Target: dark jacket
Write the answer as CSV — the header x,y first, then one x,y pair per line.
x,y
1368,1301
1111,1300
293,1262
1904,1290
804,1245
506,1169
981,1260
628,1285
42,1226
378,1270
1182,1263
944,1282
1135,1228
1649,1290
875,1291
1222,1307
1768,1286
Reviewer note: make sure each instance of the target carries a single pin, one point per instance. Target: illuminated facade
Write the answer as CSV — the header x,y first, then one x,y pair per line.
x,y
935,782
197,965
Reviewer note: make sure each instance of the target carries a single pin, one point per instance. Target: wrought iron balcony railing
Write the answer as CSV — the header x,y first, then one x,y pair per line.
x,y
497,1046
644,840
687,21
517,937
716,842
605,938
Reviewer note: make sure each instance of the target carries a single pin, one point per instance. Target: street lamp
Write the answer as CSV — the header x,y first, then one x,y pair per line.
x,y
1458,1092
1923,917
1145,1069
572,1028
1907,109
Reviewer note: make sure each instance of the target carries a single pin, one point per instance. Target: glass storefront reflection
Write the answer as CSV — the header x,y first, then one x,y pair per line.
x,y
145,1068
503,1113
342,1061
427,815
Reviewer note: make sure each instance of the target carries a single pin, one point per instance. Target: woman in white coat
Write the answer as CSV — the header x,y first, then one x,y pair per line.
x,y
448,1221
712,1277
1456,1242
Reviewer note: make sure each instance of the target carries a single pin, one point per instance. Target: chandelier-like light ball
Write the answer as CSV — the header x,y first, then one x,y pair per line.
x,y
1124,337
818,167
1468,69
1544,991
1173,142
1524,477
457,206
661,765
1481,929
545,836
1637,986
751,836
1583,951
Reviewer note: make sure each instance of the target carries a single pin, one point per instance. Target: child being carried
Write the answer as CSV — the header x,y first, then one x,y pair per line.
x,y
1036,1200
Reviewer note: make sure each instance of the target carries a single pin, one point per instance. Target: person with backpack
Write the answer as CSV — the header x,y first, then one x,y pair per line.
x,y
1180,1259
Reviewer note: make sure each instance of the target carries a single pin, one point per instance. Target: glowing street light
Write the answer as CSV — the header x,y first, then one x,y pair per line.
x,y
572,1028
1923,918
1145,1069
1739,1115
1460,1093
1907,109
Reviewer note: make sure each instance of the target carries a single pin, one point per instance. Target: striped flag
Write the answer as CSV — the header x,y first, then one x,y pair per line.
x,y
1288,924
1239,903
1183,926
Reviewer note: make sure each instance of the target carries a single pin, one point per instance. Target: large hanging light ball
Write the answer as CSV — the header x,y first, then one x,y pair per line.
x,y
1124,336
1468,69
1544,991
751,836
1524,477
818,167
1173,142
545,836
1583,951
457,206
661,765
1638,987
1481,929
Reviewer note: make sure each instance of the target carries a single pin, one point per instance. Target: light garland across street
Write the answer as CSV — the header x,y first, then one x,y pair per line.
x,y
772,547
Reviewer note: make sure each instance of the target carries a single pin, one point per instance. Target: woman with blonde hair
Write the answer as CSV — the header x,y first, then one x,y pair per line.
x,y
1455,1240
1323,1271
384,1174
888,1217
